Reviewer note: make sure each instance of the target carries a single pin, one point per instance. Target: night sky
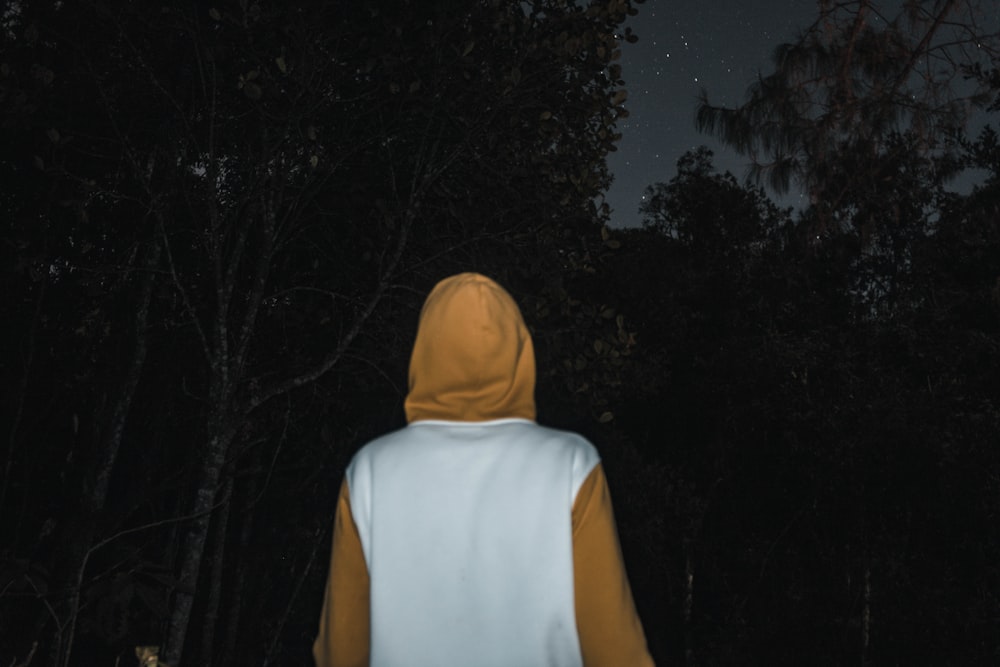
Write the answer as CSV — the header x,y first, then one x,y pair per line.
x,y
685,46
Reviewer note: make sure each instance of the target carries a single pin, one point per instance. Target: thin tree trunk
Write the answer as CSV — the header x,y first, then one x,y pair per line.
x,y
95,490
235,611
688,606
194,545
866,615
27,358
218,560
303,575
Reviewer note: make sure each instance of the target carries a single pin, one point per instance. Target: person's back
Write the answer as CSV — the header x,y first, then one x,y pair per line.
x,y
474,536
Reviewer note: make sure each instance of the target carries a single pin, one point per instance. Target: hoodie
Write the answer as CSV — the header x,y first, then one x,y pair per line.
x,y
475,537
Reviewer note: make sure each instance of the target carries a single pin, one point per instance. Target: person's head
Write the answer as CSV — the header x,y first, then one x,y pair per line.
x,y
473,359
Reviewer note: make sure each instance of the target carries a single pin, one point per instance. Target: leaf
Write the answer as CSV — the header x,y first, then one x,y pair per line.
x,y
606,417
468,48
280,61
214,13
53,135
39,162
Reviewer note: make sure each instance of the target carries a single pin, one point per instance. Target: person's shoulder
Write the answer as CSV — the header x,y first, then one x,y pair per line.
x,y
372,448
577,445
571,451
576,439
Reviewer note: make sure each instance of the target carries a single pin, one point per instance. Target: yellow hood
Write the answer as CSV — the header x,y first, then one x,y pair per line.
x,y
473,359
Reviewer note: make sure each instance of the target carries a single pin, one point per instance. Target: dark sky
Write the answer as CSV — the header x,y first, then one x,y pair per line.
x,y
685,46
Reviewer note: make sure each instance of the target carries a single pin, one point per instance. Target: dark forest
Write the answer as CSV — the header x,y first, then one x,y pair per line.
x,y
219,222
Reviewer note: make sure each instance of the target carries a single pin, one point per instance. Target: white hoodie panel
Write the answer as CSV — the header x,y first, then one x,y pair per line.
x,y
467,533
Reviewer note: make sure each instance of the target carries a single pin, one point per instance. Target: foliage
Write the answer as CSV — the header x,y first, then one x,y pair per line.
x,y
826,475
219,224
221,219
829,117
710,212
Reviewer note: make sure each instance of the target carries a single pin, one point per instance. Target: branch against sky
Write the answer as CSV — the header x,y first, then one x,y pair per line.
x,y
857,75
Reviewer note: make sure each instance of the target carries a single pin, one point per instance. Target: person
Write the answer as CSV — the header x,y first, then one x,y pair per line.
x,y
475,537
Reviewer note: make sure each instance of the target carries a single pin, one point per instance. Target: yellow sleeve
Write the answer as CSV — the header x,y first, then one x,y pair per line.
x,y
343,639
610,631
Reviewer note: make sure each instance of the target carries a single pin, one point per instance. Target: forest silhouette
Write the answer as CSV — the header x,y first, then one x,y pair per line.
x,y
220,221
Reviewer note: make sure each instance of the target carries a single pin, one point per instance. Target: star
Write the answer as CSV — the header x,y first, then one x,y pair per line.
x,y
685,46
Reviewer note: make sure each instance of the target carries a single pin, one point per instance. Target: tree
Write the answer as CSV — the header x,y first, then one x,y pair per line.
x,y
856,89
710,212
825,483
279,183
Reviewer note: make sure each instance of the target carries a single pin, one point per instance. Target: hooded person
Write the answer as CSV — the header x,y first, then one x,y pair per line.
x,y
474,537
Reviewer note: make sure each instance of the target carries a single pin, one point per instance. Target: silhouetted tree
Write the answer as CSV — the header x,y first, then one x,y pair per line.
x,y
860,85
276,184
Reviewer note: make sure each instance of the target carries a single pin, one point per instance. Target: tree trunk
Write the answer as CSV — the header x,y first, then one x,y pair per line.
x,y
218,560
83,529
319,540
27,354
222,433
235,610
688,606
866,615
